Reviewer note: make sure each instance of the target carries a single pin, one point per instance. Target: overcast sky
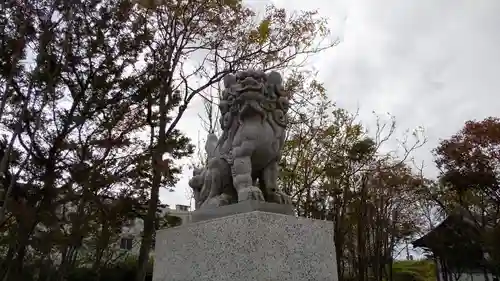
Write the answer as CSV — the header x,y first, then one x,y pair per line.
x,y
430,63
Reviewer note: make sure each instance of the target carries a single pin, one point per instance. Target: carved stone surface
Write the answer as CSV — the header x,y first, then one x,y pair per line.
x,y
243,162
241,207
255,245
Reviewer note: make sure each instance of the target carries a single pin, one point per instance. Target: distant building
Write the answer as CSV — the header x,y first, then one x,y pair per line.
x,y
128,241
181,211
130,238
456,251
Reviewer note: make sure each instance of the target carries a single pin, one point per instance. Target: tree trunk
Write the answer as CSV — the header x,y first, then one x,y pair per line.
x,y
7,260
68,262
26,228
14,269
102,244
361,232
339,248
157,161
149,224
486,275
4,166
76,238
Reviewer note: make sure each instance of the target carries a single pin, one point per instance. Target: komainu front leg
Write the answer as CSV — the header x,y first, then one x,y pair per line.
x,y
242,177
270,179
215,181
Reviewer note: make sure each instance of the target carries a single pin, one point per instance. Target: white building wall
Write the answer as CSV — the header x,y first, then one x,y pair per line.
x,y
134,230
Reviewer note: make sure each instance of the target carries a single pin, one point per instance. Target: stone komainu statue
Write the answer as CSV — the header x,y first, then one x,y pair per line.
x,y
243,163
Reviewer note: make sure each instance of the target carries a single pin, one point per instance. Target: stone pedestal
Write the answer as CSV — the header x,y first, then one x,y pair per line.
x,y
248,244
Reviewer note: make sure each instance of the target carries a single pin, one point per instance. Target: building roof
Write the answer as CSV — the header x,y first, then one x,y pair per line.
x,y
456,240
454,226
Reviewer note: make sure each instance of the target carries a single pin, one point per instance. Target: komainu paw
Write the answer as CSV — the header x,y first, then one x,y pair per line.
x,y
250,193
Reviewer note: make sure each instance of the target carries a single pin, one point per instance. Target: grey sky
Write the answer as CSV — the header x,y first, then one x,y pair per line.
x,y
430,63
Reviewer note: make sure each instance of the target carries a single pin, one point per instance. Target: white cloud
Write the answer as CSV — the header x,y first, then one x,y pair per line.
x,y
429,63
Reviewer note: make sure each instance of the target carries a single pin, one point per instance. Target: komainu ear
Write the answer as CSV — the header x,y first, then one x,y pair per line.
x,y
274,78
229,80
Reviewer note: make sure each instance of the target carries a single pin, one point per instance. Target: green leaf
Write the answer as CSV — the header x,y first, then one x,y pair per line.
x,y
264,30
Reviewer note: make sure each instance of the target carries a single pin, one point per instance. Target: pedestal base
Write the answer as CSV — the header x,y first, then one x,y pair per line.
x,y
256,246
239,208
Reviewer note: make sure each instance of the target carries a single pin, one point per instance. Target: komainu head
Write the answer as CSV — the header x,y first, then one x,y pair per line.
x,y
253,93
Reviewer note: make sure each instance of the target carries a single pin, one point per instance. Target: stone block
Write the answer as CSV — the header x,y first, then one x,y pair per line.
x,y
241,207
249,246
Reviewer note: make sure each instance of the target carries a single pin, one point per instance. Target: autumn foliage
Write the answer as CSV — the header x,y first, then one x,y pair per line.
x,y
469,163
470,159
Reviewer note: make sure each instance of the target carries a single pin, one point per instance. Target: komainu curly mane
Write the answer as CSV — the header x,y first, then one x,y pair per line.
x,y
244,163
